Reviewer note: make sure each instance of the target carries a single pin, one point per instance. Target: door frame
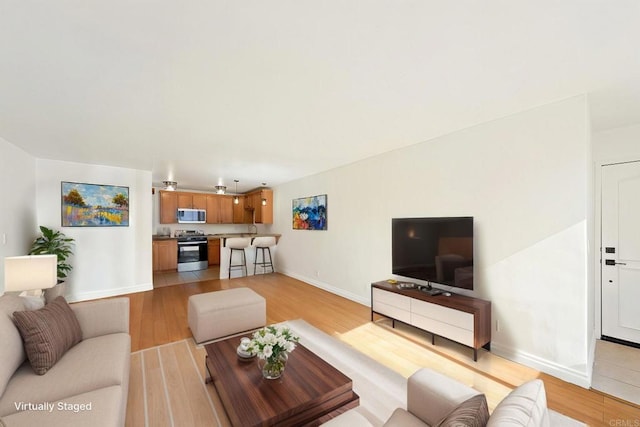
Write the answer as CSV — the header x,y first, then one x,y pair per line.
x,y
597,252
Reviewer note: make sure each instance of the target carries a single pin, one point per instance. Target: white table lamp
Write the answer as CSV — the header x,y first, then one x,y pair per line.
x,y
30,274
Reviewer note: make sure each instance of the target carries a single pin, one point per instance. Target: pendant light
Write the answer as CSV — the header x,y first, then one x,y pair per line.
x,y
236,199
264,201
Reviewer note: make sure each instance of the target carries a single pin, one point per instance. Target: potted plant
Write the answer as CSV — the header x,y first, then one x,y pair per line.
x,y
53,242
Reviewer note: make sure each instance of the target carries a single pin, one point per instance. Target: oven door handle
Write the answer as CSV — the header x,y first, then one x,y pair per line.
x,y
190,249
194,244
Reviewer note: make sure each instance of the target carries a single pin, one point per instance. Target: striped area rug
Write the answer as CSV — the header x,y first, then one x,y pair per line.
x,y
167,388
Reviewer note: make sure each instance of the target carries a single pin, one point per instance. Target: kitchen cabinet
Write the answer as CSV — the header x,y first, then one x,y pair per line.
x,y
219,209
170,201
214,251
192,200
168,207
266,209
165,254
185,200
226,210
239,211
199,201
261,203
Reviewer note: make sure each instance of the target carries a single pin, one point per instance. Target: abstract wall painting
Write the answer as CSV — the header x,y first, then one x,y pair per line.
x,y
310,213
94,205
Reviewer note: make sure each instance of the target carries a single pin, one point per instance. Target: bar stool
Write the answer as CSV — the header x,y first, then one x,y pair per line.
x,y
263,244
237,244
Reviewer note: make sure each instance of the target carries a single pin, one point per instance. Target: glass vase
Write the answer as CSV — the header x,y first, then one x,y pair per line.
x,y
274,366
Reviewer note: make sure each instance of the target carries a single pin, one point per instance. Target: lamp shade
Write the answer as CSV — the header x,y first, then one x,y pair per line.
x,y
30,272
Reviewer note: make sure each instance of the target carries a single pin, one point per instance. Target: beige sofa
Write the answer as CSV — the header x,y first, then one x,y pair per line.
x,y
434,399
425,399
88,386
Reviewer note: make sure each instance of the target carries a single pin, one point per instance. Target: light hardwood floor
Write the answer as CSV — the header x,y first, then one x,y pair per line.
x,y
160,316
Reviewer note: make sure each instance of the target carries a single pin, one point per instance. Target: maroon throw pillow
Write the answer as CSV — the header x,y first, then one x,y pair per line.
x,y
48,333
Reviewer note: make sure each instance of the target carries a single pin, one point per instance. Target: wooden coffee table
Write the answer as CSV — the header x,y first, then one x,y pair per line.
x,y
309,392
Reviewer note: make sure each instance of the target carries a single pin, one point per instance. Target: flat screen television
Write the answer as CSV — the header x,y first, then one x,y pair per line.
x,y
436,250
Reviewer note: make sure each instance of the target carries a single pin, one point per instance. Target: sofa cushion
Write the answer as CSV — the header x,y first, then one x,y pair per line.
x,y
91,364
94,408
48,333
524,406
473,412
11,350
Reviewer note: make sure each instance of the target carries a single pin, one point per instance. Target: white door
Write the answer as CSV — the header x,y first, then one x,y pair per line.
x,y
621,251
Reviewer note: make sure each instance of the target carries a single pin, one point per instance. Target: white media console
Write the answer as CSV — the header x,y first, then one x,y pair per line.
x,y
462,319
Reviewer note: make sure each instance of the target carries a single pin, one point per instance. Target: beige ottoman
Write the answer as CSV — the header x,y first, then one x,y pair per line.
x,y
221,313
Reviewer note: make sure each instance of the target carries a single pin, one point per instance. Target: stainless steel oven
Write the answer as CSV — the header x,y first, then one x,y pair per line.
x,y
192,253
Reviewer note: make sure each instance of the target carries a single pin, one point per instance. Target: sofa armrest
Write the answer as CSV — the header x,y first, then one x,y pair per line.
x,y
102,317
431,396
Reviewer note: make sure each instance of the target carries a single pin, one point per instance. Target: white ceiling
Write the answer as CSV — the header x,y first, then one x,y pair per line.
x,y
270,91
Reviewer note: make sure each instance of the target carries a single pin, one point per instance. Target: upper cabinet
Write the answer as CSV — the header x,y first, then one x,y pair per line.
x,y
239,213
168,207
255,206
192,200
219,209
260,202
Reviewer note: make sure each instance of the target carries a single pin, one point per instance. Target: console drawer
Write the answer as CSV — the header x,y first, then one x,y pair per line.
x,y
392,312
459,319
392,299
463,336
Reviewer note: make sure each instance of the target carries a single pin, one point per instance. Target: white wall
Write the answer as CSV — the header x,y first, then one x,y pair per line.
x,y
18,216
524,178
107,260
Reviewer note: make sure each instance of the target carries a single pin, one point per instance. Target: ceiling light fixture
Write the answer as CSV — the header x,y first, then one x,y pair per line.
x,y
170,185
236,199
220,189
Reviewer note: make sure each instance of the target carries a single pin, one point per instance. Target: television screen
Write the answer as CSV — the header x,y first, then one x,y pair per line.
x,y
437,250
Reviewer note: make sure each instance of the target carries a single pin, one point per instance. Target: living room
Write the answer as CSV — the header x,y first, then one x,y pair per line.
x,y
528,176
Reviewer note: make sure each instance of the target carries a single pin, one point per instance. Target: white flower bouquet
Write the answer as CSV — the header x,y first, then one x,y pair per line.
x,y
273,344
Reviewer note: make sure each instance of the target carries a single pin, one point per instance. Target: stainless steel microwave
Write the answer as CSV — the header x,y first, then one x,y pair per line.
x,y
192,216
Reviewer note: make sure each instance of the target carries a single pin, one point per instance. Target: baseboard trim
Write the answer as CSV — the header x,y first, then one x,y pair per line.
x,y
106,293
329,288
570,375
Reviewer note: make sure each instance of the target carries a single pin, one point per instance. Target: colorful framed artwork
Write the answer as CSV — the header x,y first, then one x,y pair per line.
x,y
310,213
94,205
